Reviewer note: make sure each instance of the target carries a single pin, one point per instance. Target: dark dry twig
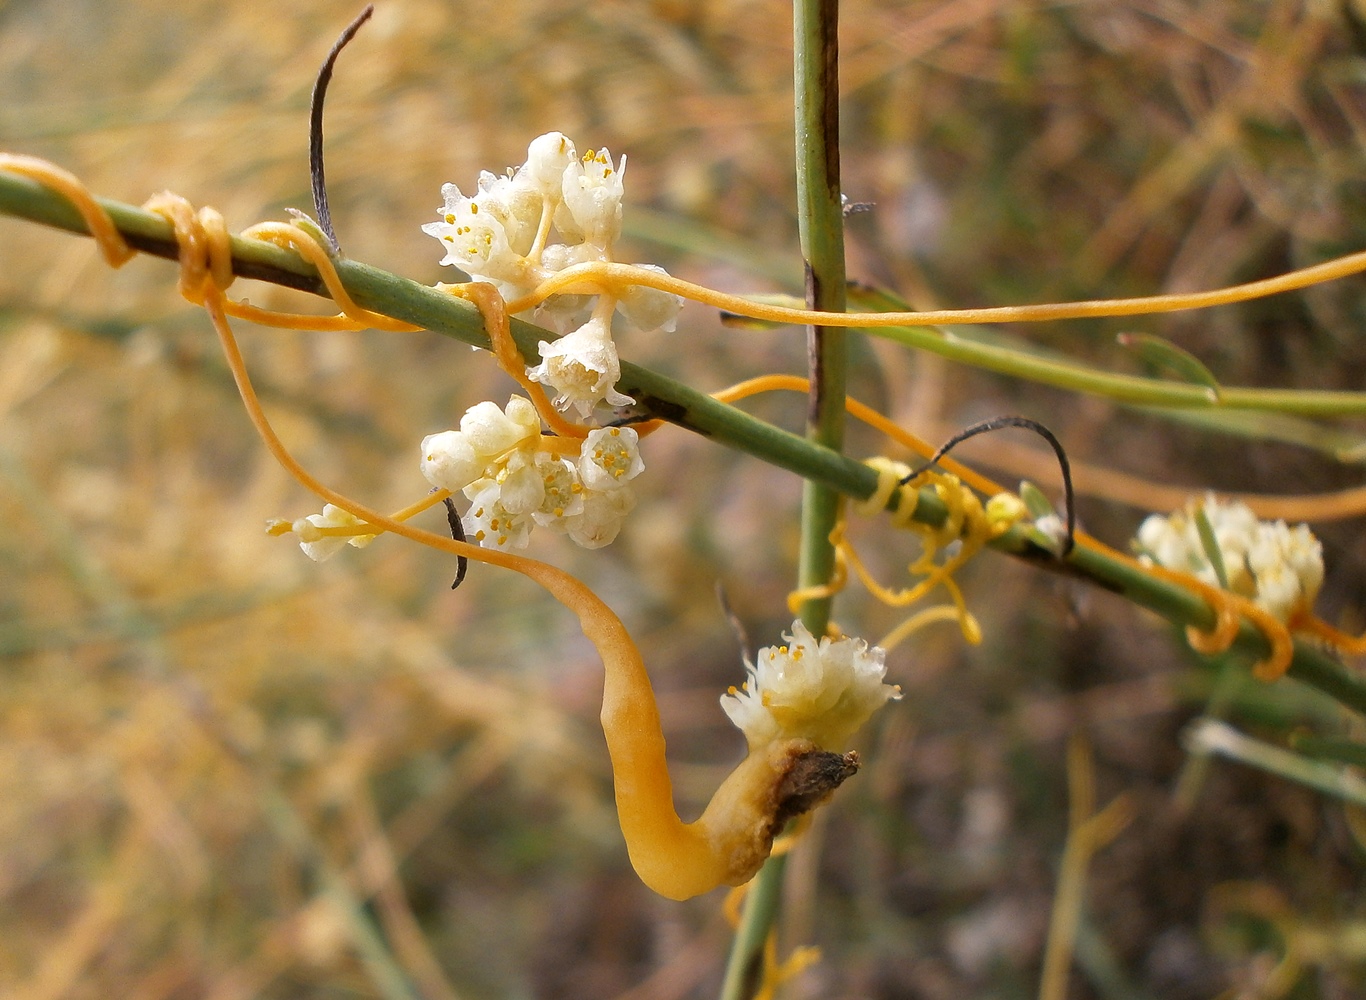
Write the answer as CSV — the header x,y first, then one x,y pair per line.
x,y
995,424
462,564
315,126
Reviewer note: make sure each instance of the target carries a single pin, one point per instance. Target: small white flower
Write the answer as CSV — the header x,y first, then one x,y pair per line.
x,y
563,492
491,431
582,367
475,239
493,235
547,158
514,201
521,485
592,190
449,462
491,525
599,522
822,691
650,309
318,546
1279,567
610,458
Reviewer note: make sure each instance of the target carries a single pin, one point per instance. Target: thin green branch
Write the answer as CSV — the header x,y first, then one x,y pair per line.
x,y
1093,381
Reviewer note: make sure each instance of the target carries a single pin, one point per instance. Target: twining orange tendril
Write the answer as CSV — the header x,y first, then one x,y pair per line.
x,y
493,308
283,527
775,973
839,579
1228,608
596,276
1311,624
866,414
289,236
922,618
106,235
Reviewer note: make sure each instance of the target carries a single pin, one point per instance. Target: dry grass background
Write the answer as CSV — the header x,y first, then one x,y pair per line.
x,y
226,772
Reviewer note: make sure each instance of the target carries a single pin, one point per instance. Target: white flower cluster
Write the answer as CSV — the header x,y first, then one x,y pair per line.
x,y
822,691
515,480
1279,567
499,234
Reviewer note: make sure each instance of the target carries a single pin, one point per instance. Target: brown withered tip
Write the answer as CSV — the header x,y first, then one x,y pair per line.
x,y
814,774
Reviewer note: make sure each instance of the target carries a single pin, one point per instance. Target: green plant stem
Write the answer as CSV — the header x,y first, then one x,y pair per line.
x,y
820,214
1082,378
682,405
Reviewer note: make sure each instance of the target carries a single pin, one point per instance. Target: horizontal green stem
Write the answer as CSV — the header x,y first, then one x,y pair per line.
x,y
424,306
1083,378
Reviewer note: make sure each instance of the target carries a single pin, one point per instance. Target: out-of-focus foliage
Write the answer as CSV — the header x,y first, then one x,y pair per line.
x,y
228,772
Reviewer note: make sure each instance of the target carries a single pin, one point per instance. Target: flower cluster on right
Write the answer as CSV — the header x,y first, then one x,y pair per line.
x,y
1278,567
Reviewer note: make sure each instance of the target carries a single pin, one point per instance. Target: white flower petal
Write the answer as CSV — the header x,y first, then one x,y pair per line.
x,y
599,522
547,158
592,189
491,432
449,461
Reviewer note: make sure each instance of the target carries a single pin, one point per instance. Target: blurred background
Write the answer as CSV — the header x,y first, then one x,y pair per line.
x,y
229,772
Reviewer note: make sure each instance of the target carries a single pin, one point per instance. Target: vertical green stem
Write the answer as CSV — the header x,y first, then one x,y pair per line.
x,y
821,221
